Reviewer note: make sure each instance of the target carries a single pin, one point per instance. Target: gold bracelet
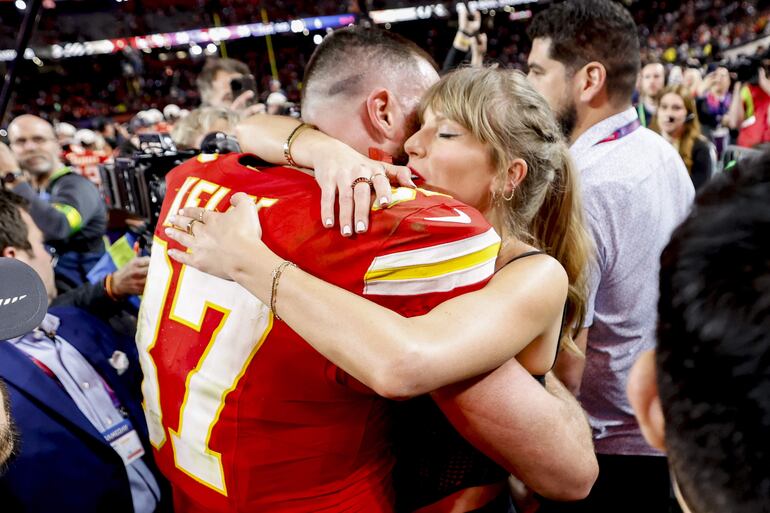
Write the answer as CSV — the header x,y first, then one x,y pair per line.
x,y
290,140
276,278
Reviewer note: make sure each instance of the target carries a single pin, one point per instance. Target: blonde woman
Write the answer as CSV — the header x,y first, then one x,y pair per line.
x,y
190,130
677,121
491,141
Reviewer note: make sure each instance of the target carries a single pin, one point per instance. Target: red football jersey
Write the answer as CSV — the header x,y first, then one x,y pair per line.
x,y
246,416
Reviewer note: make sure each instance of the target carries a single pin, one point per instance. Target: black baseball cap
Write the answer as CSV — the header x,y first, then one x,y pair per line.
x,y
23,299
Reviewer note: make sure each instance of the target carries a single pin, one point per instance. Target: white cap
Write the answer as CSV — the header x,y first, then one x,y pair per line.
x,y
171,112
276,99
85,136
154,116
65,129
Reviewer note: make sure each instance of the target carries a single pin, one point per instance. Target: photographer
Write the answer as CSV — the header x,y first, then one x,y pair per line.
x,y
750,107
215,85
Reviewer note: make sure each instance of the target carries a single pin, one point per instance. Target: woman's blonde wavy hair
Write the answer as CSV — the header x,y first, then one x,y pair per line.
x,y
502,110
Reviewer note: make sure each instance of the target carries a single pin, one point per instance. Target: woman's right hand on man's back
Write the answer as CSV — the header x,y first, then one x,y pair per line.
x,y
336,172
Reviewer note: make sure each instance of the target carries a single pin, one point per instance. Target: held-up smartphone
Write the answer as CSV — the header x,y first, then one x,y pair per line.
x,y
242,84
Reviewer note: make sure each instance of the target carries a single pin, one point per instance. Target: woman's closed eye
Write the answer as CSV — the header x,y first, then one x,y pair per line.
x,y
447,135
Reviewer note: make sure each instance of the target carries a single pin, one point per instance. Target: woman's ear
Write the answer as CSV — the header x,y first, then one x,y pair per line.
x,y
643,395
516,174
8,252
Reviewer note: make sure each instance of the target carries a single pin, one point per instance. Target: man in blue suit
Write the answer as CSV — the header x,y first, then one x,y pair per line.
x,y
73,388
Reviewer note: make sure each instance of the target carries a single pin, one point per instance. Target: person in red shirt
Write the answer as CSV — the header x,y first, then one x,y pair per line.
x,y
253,413
750,109
406,355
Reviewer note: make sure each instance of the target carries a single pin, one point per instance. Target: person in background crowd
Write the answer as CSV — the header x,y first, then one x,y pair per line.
x,y
189,131
702,395
65,133
73,388
678,123
651,83
67,207
26,310
106,298
275,103
468,29
750,108
635,188
712,103
273,86
215,89
692,81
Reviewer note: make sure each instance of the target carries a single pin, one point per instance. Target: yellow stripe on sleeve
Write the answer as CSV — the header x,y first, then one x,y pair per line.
x,y
74,219
431,270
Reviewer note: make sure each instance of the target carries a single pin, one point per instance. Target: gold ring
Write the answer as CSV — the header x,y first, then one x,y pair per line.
x,y
361,179
190,226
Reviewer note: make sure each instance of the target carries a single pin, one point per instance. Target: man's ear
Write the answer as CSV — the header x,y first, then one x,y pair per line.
x,y
593,78
8,252
384,115
643,395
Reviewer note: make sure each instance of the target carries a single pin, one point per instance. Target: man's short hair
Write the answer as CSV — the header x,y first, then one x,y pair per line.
x,y
13,229
582,31
339,65
214,66
713,356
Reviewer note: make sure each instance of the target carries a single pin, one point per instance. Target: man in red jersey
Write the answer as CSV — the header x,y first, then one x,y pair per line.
x,y
243,414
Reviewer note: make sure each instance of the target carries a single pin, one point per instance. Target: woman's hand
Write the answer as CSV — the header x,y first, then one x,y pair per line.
x,y
215,241
336,171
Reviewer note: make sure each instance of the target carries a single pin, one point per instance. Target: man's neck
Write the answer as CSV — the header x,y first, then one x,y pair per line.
x,y
40,181
592,117
649,103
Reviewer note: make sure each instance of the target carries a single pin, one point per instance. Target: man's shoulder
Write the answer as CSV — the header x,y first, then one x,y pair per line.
x,y
75,319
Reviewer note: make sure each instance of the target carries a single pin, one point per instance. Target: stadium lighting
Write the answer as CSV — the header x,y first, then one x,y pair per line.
x,y
205,35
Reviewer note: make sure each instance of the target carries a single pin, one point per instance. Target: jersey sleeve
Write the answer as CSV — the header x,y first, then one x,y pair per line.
x,y
440,248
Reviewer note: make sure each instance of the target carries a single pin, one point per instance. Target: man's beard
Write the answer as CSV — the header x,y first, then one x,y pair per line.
x,y
566,116
43,167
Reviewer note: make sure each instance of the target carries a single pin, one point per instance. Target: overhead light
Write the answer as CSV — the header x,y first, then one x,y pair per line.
x,y
196,50
318,39
21,5
211,48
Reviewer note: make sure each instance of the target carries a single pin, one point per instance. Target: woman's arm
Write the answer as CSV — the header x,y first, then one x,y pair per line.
x,y
735,114
396,356
335,163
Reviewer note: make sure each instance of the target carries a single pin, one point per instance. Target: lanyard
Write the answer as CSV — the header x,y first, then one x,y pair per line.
x,y
642,112
621,132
